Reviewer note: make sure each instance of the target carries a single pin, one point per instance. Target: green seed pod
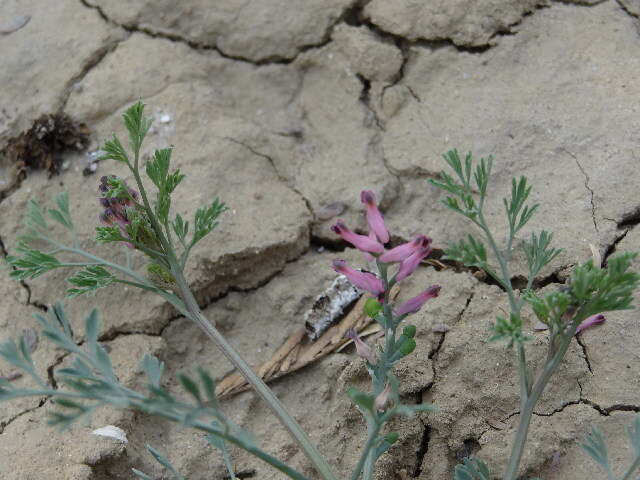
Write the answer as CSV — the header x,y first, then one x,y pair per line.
x,y
409,331
391,437
372,307
408,346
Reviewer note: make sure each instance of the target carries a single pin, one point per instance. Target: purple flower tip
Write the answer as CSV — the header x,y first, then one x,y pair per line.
x,y
367,197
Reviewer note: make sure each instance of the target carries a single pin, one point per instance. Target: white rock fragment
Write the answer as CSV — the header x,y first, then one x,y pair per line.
x,y
111,432
329,305
165,118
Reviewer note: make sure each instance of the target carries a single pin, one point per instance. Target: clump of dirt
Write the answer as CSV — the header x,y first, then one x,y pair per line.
x,y
42,146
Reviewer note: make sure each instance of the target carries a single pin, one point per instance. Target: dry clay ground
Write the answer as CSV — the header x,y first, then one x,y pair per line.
x,y
287,112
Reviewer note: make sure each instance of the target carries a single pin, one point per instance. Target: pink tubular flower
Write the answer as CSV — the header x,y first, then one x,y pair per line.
x,y
362,349
414,304
374,217
361,242
401,252
409,265
590,322
364,280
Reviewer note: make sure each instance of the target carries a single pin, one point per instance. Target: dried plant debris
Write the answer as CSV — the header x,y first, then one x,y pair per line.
x,y
298,350
42,146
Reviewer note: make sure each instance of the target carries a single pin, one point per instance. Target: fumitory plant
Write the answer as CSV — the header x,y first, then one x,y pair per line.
x,y
380,362
132,218
590,290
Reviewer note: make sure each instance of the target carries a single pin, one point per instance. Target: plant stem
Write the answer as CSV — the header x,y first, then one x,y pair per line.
x,y
372,432
260,387
527,410
634,466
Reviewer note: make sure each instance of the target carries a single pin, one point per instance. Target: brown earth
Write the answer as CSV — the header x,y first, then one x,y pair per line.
x,y
286,114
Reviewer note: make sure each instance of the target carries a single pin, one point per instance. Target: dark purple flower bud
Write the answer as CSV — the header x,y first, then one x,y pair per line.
x,y
104,202
108,217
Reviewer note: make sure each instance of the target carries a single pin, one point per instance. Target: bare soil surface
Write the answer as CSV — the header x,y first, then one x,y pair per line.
x,y
286,113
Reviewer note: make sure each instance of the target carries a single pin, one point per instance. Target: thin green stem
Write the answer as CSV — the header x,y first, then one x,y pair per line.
x,y
367,471
515,305
527,410
373,428
258,384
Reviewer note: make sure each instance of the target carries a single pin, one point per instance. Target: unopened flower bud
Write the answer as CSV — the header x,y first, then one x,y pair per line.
x,y
409,331
372,307
408,346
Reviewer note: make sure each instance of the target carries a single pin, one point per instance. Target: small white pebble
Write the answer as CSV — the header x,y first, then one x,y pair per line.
x,y
111,432
165,118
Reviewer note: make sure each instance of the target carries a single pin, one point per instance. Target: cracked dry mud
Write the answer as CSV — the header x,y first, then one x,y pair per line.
x,y
286,114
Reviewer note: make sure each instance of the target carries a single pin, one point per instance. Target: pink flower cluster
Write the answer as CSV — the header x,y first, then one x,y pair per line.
x,y
408,256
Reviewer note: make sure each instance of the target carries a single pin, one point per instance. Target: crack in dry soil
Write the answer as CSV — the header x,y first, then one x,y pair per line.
x,y
422,451
585,353
365,99
4,425
281,177
93,61
626,10
586,185
174,37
